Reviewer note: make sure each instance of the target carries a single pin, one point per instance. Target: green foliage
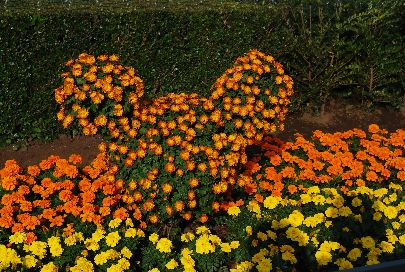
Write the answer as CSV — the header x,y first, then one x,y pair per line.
x,y
353,49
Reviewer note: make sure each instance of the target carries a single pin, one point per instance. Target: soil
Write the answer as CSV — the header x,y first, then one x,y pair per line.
x,y
338,116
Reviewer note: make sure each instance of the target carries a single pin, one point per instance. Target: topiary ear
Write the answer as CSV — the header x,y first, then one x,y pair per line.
x,y
253,95
99,93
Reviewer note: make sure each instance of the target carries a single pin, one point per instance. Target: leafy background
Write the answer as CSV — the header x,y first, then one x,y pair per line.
x,y
348,49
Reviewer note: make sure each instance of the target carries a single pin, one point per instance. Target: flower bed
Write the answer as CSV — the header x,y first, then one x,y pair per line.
x,y
195,184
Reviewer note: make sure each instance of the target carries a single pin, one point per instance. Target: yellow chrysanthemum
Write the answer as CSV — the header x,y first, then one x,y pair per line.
x,y
164,245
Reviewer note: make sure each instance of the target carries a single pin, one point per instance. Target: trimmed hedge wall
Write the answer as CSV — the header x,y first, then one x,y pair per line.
x,y
350,49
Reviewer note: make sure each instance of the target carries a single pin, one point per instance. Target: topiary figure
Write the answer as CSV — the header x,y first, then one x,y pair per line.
x,y
177,156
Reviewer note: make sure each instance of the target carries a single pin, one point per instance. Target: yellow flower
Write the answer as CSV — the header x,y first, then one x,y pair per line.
x,y
187,237
356,202
377,216
82,265
203,245
345,211
202,230
354,254
234,211
402,239
271,202
253,206
37,248
305,198
226,247
332,212
115,223
112,239
126,252
154,270
130,233
262,236
172,264
235,244
318,199
343,264
390,212
323,257
288,256
49,267
386,247
249,230
296,218
367,242
29,261
17,238
272,235
98,235
164,245
154,237
54,246
242,267
264,265
313,190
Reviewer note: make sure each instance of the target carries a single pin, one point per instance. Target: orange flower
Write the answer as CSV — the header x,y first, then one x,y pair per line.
x,y
33,170
121,213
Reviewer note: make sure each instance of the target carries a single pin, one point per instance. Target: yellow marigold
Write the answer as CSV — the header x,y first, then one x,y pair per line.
x,y
9,257
37,248
296,218
386,247
154,237
235,244
343,264
202,230
262,236
242,267
154,270
226,247
54,246
271,202
249,230
49,267
17,238
203,245
323,257
112,239
126,252
234,211
115,223
264,265
368,242
82,265
172,264
402,239
390,212
29,261
332,212
354,254
130,233
187,237
164,245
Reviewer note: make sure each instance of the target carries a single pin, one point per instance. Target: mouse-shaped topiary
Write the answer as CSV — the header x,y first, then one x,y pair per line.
x,y
177,156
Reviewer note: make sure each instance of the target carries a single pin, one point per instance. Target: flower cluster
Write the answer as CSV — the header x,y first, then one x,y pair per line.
x,y
345,159
60,214
178,137
98,92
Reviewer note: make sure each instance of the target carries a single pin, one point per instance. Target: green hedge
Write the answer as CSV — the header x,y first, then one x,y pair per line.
x,y
349,48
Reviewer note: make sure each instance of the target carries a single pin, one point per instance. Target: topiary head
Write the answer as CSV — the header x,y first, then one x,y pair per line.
x,y
99,93
252,97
